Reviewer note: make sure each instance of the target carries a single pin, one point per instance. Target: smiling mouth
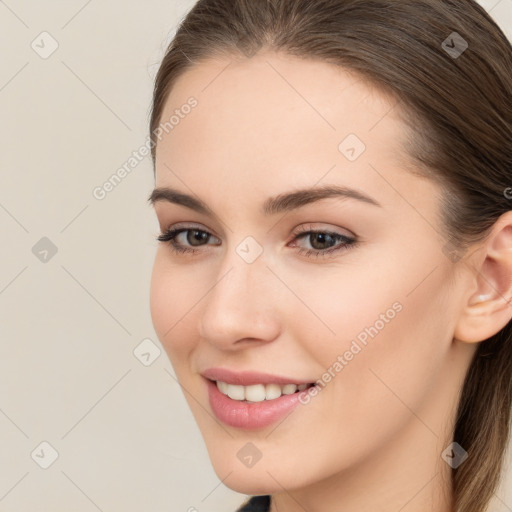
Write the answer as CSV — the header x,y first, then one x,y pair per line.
x,y
259,392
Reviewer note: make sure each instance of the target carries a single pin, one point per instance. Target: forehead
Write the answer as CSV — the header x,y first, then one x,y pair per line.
x,y
276,120
274,90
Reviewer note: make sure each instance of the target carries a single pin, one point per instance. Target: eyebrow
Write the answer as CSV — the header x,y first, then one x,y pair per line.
x,y
282,203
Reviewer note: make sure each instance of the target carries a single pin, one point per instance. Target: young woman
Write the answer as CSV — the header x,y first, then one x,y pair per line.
x,y
334,190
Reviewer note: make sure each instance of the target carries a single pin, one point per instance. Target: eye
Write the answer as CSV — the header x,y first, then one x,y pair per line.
x,y
194,236
324,243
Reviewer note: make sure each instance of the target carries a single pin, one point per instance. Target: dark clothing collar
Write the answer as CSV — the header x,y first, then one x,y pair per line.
x,y
256,504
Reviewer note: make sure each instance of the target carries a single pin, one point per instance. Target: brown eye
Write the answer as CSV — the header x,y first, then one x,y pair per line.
x,y
323,243
195,237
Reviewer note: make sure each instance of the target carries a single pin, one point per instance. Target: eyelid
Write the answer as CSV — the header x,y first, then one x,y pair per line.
x,y
190,225
319,226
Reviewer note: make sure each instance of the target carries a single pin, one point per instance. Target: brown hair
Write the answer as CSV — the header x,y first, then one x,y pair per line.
x,y
459,111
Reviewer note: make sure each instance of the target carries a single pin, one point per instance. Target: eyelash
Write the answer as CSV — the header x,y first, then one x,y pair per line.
x,y
348,243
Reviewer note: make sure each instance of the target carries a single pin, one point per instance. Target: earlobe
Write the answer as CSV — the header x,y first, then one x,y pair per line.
x,y
489,307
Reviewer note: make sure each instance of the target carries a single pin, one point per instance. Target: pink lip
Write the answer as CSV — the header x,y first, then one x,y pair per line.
x,y
248,378
250,415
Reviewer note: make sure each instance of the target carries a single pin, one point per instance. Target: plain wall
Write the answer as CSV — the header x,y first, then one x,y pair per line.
x,y
70,321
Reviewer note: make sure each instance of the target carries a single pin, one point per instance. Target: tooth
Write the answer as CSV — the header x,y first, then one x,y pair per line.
x,y
258,392
288,389
255,393
223,387
236,392
272,391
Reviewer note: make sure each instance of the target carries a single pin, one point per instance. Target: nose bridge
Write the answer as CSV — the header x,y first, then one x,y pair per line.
x,y
239,286
239,304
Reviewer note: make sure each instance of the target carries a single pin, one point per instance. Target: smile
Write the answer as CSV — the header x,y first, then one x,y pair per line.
x,y
259,392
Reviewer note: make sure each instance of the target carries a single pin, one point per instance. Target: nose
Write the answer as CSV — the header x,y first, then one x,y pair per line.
x,y
241,306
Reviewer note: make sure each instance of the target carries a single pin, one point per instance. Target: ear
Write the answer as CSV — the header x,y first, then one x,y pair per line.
x,y
487,309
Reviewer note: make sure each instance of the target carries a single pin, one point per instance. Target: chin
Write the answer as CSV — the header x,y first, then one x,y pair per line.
x,y
265,477
246,482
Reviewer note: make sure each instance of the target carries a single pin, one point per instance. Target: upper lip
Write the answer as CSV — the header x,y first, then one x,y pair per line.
x,y
248,378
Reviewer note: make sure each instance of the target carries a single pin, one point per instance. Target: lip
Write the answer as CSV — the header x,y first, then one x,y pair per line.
x,y
250,415
248,378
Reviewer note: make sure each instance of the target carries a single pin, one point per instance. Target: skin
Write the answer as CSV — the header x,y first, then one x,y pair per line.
x,y
372,438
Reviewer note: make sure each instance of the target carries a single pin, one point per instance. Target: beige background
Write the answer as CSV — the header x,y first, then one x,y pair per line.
x,y
69,325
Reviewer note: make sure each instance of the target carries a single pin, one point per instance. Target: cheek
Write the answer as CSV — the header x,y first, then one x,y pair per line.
x,y
341,308
172,305
392,333
395,370
382,302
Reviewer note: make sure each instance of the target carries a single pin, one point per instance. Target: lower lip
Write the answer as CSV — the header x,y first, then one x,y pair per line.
x,y
250,415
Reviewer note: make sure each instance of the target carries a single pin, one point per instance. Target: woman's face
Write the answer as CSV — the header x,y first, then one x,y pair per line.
x,y
370,320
